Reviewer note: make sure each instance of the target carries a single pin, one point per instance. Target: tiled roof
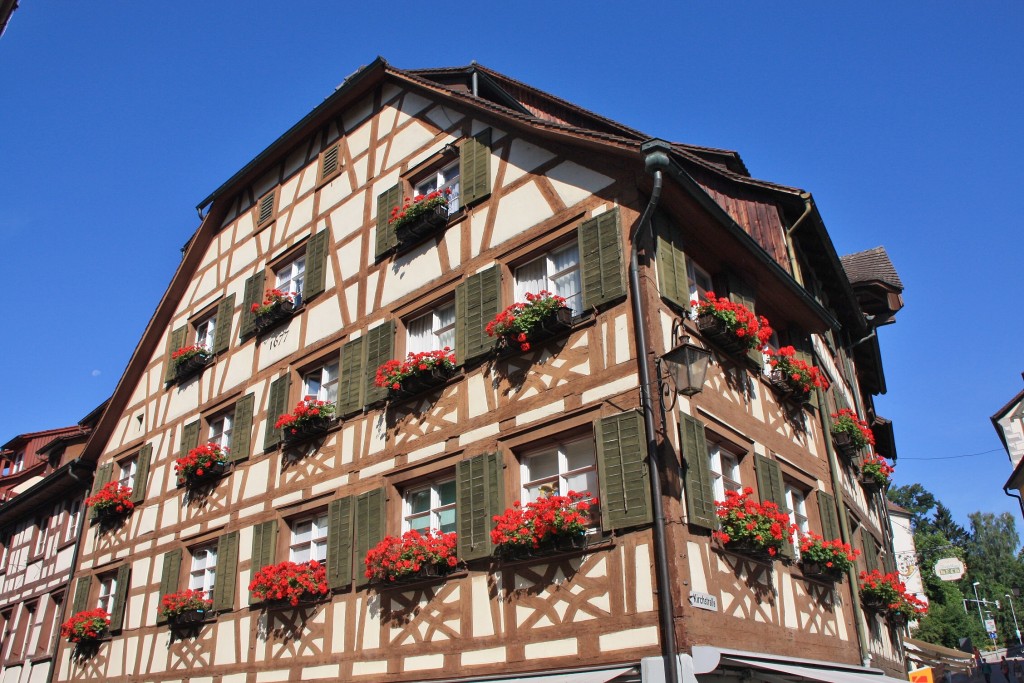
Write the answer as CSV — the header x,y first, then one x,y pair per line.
x,y
872,265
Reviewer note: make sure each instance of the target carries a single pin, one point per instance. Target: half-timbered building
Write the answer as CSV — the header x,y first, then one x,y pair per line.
x,y
541,195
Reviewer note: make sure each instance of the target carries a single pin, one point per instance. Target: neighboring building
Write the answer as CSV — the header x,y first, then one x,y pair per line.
x,y
544,195
1009,424
44,487
905,552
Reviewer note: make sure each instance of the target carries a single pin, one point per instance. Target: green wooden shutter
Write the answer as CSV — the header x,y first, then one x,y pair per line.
x,y
369,526
103,475
142,473
339,542
478,498
277,405
742,292
673,281
222,333
380,345
226,578
601,265
176,341
316,265
81,600
253,294
120,597
477,301
329,166
266,208
241,428
829,519
264,548
350,378
189,438
700,493
475,168
625,487
386,201
870,550
169,578
770,487
803,346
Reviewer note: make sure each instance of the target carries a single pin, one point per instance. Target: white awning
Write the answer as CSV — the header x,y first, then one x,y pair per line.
x,y
589,676
707,659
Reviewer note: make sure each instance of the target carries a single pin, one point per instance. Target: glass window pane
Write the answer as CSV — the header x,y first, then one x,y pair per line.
x,y
582,481
446,492
419,501
531,278
420,523
578,454
542,465
446,520
420,334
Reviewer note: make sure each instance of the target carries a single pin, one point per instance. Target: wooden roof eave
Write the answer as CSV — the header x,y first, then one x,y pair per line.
x,y
815,317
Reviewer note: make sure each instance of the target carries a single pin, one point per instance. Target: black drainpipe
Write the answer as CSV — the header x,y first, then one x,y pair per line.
x,y
655,158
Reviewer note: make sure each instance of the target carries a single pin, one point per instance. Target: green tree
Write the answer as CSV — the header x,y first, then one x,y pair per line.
x,y
916,500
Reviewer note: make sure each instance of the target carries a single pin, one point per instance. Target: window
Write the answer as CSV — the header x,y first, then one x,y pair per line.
x,y
558,272
42,529
19,463
725,471
128,469
321,383
430,507
433,331
7,468
204,570
52,630
445,179
699,280
108,589
74,514
309,539
289,277
556,471
797,504
220,430
205,331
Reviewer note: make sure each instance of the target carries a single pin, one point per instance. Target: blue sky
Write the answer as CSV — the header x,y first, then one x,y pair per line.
x,y
902,120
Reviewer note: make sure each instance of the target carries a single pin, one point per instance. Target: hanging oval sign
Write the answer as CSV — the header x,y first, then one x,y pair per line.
x,y
950,569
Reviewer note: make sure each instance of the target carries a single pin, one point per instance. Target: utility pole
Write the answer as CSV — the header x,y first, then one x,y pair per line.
x,y
977,601
1014,613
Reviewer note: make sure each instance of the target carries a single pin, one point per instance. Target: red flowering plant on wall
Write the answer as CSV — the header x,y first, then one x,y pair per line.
x,y
432,553
752,330
847,422
543,521
414,207
111,500
308,412
174,604
796,373
832,557
876,468
886,593
752,527
290,582
518,321
187,353
85,627
271,298
393,373
200,462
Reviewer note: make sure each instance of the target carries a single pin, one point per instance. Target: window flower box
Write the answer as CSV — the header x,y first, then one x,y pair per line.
x,y
758,530
550,524
185,608
190,360
886,595
290,583
429,221
201,465
417,374
730,326
792,378
875,473
544,315
825,560
412,557
111,503
84,628
850,433
310,418
277,306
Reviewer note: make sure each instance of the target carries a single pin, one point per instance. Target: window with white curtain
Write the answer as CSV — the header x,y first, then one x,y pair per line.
x,y
797,504
128,469
433,331
205,331
220,430
108,588
558,272
290,276
554,471
725,471
321,383
309,539
430,507
698,279
204,570
445,179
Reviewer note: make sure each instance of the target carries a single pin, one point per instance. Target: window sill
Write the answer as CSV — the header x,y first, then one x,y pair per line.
x,y
44,657
592,546
579,322
415,583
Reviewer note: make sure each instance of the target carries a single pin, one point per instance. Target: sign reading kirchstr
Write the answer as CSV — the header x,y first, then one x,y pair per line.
x,y
950,569
703,601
